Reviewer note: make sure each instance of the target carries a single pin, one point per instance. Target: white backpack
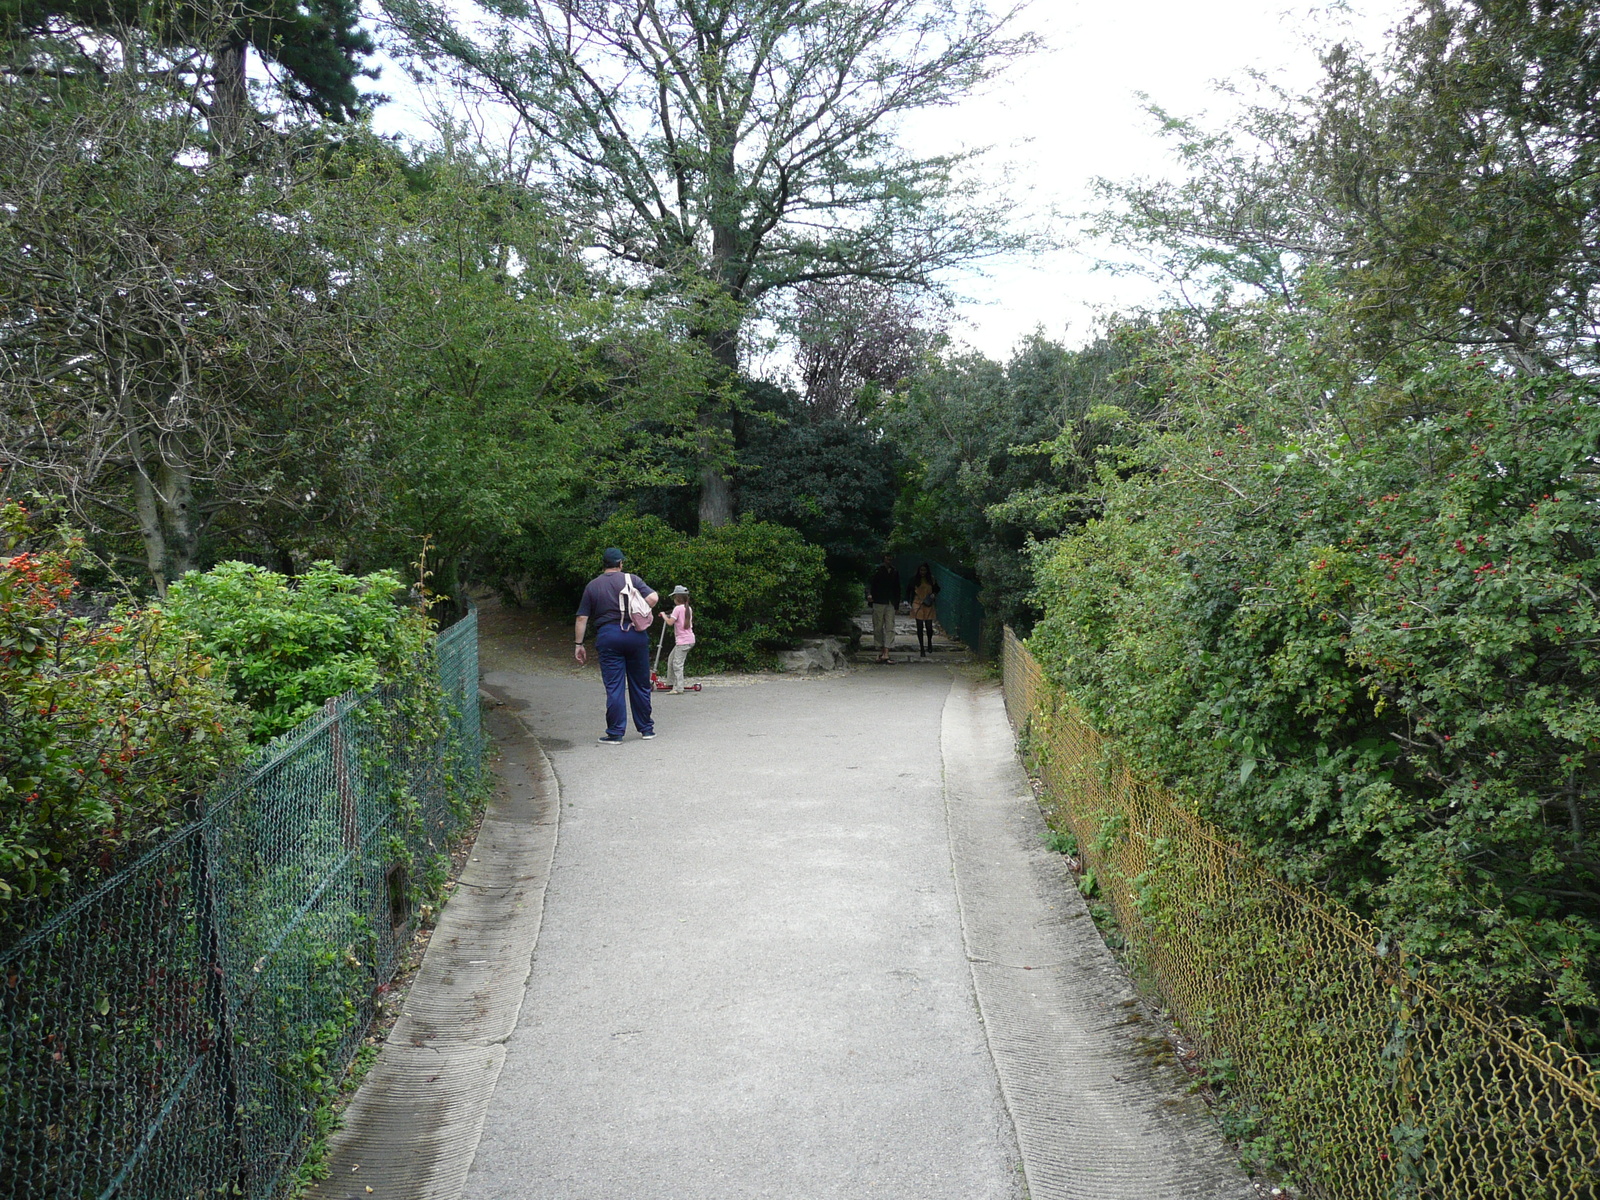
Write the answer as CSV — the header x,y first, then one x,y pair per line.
x,y
635,611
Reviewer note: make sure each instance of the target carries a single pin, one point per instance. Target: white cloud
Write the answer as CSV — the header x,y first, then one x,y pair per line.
x,y
1076,110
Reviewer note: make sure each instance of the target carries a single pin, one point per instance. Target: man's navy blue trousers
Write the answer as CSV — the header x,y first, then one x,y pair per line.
x,y
625,667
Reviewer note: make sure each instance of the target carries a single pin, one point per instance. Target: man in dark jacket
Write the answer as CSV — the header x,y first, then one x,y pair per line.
x,y
884,592
624,650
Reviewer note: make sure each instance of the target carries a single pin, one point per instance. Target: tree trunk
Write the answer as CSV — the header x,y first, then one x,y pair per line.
x,y
150,533
144,491
177,503
230,108
716,490
282,559
716,422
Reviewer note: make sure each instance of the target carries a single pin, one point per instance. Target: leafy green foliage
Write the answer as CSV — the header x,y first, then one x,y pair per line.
x,y
754,586
505,388
110,725
290,645
1001,455
1353,613
831,479
1059,841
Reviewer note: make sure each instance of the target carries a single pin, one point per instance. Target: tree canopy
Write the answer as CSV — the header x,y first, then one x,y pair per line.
x,y
316,48
732,149
1446,184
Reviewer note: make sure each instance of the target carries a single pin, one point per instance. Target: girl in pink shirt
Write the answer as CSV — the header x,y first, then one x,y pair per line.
x,y
681,618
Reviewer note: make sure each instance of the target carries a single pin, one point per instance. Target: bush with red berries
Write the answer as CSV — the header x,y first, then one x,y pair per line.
x,y
111,723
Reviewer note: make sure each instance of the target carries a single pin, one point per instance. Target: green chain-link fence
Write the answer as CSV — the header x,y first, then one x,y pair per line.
x,y
169,1034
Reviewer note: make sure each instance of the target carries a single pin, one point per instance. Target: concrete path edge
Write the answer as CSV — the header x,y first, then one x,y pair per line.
x,y
413,1127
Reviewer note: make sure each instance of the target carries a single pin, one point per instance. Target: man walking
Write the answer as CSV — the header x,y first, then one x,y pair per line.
x,y
884,592
624,650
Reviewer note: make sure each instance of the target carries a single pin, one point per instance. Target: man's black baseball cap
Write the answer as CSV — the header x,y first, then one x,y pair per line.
x,y
613,557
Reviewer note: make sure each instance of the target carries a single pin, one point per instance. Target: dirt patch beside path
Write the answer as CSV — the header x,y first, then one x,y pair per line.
x,y
525,639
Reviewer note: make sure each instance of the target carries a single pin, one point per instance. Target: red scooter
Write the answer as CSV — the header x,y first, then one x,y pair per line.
x,y
661,685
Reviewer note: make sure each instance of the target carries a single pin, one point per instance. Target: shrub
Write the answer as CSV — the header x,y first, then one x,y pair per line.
x,y
288,646
110,723
754,586
1365,640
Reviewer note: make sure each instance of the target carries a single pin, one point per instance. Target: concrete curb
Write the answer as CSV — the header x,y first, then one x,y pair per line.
x,y
413,1127
1100,1111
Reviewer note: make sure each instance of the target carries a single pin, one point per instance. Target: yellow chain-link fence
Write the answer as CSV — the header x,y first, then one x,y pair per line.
x,y
1364,1079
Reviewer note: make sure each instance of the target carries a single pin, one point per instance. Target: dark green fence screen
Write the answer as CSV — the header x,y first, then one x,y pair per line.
x,y
169,1034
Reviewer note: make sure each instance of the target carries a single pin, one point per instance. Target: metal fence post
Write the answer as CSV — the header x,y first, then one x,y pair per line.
x,y
214,994
349,819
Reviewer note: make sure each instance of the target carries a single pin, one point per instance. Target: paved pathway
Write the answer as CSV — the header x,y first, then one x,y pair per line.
x,y
751,979
805,944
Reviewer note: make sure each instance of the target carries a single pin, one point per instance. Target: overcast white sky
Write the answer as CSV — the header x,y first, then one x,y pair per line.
x,y
1072,113
1078,106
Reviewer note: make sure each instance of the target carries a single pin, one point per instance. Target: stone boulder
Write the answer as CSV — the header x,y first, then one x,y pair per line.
x,y
815,654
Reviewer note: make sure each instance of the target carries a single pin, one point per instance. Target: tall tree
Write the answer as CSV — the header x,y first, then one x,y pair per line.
x,y
1466,166
734,148
314,49
1449,185
156,312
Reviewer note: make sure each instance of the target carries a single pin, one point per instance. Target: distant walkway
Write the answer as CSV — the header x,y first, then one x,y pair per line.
x,y
946,650
806,945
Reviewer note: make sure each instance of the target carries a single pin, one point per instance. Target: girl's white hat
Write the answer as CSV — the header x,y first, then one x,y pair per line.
x,y
680,590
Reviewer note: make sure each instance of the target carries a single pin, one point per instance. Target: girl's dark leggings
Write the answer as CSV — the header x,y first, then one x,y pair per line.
x,y
924,629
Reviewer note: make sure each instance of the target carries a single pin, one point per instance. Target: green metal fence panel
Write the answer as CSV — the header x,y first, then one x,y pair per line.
x,y
959,611
457,648
169,1034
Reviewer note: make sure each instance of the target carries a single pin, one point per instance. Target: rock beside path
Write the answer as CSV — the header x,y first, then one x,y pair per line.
x,y
815,654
